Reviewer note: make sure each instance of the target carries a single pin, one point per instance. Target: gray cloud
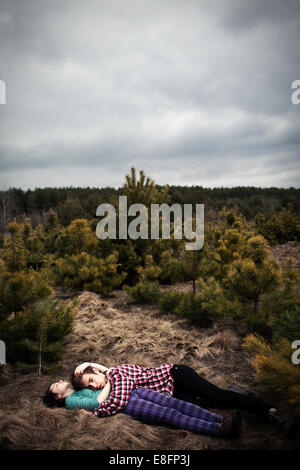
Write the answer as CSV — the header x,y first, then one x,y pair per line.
x,y
242,15
193,92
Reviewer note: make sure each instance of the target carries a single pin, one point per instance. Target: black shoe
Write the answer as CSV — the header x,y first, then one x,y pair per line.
x,y
231,425
285,420
242,391
226,427
237,423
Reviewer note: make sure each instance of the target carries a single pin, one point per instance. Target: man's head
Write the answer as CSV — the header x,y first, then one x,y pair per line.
x,y
56,394
90,378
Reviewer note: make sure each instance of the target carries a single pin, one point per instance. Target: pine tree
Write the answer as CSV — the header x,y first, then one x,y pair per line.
x,y
171,265
69,210
147,288
287,294
76,238
128,258
287,324
14,252
35,338
275,369
84,271
91,203
50,231
144,190
279,227
20,286
169,300
207,305
191,266
253,273
227,250
19,289
150,271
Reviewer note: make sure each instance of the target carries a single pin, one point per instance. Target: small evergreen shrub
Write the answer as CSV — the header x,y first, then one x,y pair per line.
x,y
194,309
34,339
87,272
144,291
21,288
171,266
169,300
275,369
287,325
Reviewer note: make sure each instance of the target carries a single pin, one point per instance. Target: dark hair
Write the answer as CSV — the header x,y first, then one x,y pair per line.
x,y
76,380
50,399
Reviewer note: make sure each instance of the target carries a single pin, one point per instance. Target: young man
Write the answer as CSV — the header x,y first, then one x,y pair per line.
x,y
62,394
177,380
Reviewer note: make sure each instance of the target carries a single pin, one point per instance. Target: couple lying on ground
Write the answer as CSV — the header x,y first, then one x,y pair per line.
x,y
171,394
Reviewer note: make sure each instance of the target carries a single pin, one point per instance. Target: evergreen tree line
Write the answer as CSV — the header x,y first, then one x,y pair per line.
x,y
72,203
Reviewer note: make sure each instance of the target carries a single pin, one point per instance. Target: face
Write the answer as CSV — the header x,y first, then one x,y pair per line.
x,y
94,381
59,388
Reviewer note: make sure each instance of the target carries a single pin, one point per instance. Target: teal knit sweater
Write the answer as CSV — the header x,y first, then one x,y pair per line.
x,y
84,399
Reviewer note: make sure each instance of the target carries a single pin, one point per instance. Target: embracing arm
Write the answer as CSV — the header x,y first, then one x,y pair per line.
x,y
103,395
98,366
89,404
121,389
79,369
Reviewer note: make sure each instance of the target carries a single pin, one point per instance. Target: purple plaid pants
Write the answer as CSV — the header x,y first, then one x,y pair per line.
x,y
154,407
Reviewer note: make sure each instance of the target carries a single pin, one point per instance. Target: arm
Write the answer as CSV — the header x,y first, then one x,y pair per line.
x,y
121,388
89,404
98,366
104,393
79,369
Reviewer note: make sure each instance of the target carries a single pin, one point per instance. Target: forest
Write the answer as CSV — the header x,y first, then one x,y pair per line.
x,y
70,202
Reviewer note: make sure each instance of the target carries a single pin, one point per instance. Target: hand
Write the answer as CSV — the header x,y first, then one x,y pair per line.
x,y
79,369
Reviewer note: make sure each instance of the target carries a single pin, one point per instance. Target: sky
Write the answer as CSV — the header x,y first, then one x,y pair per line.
x,y
193,92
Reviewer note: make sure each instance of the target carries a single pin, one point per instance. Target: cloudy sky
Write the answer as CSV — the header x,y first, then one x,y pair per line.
x,y
191,91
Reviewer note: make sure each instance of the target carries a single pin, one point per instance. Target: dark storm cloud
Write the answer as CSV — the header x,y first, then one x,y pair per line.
x,y
243,14
193,92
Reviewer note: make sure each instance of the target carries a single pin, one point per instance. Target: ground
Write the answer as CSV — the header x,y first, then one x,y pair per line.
x,y
114,330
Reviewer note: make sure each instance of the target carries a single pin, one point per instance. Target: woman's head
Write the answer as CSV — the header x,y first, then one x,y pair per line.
x,y
56,394
90,378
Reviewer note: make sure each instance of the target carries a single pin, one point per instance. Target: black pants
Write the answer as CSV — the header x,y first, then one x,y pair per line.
x,y
190,386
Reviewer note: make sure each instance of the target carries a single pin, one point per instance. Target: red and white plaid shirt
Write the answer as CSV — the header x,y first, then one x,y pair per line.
x,y
125,377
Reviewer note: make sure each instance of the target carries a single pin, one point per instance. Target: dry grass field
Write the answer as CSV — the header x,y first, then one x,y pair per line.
x,y
112,331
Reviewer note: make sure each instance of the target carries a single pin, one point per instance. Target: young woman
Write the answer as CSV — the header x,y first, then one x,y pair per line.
x,y
148,406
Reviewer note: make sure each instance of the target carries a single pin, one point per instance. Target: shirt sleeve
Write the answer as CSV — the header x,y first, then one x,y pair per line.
x,y
86,403
122,385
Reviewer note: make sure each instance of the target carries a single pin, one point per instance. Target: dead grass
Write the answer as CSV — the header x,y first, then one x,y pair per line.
x,y
114,331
